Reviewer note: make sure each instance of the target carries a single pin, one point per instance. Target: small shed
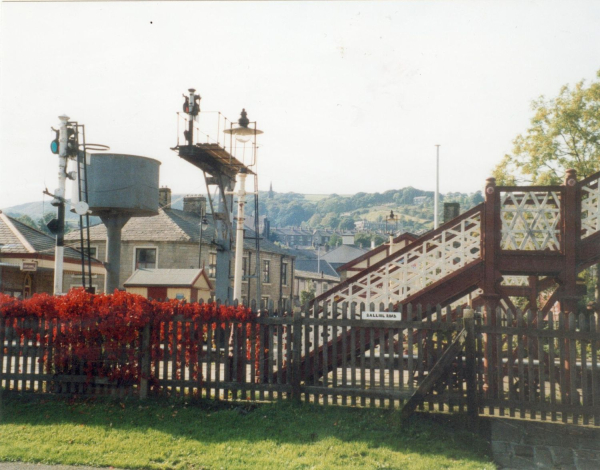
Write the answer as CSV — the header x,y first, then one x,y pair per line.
x,y
161,284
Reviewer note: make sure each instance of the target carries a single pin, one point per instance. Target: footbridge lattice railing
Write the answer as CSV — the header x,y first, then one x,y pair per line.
x,y
415,267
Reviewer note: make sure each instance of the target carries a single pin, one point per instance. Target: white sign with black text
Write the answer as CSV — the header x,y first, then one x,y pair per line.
x,y
390,316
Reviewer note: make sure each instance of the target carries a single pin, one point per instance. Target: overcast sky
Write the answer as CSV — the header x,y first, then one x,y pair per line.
x,y
351,96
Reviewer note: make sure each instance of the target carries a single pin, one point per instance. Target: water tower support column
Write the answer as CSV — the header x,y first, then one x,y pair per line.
x,y
114,224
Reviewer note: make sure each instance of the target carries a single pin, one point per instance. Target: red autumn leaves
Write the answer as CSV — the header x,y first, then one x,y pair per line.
x,y
101,335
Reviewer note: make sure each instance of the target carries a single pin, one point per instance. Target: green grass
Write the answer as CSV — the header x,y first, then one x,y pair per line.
x,y
179,435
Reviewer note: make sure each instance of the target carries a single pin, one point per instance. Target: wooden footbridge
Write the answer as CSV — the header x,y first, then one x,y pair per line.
x,y
521,241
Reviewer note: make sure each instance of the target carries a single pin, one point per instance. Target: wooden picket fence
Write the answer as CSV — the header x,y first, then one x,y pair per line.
x,y
522,366
539,368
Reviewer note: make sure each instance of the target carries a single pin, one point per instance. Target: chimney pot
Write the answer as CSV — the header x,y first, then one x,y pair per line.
x,y
164,197
195,204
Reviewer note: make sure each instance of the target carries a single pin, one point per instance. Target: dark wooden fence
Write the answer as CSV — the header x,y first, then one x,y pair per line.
x,y
544,369
540,368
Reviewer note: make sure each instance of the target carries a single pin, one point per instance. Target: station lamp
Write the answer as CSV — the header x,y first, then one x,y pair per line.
x,y
243,133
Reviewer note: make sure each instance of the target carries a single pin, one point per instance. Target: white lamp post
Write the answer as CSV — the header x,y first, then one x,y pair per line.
x,y
242,134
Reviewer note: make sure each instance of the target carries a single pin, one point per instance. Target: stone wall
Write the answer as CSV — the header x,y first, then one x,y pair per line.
x,y
525,444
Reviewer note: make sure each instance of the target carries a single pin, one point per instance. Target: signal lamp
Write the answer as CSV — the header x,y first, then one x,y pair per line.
x,y
72,142
54,145
53,226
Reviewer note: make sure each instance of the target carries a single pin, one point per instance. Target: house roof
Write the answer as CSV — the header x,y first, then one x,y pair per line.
x,y
292,231
315,276
315,267
166,277
18,238
172,225
343,254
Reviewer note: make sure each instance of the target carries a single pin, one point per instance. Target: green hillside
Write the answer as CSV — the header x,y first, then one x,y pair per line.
x,y
331,211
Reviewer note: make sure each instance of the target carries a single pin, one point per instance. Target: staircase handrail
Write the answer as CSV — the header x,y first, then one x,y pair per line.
x,y
419,241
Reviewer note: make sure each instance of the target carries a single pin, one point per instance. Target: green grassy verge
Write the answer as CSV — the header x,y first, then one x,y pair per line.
x,y
205,435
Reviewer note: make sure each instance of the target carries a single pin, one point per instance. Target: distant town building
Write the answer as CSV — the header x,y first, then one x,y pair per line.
x,y
314,275
344,253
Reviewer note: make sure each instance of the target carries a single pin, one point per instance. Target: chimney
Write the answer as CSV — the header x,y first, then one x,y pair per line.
x,y
164,197
347,239
451,211
266,229
196,204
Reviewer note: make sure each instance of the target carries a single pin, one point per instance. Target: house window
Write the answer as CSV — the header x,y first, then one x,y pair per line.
x,y
244,266
92,252
212,265
266,271
145,258
284,274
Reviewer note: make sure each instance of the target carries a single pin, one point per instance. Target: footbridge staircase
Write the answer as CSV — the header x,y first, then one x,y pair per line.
x,y
522,241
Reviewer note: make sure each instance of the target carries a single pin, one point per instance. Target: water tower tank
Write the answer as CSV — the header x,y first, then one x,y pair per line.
x,y
126,184
120,187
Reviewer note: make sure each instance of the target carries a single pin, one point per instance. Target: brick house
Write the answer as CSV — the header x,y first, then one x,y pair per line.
x,y
171,240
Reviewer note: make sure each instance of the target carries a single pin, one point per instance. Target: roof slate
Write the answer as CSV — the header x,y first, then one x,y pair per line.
x,y
343,254
163,277
313,266
41,242
172,225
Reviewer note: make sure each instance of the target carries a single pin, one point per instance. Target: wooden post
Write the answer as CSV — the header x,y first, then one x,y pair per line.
x,y
491,246
296,355
145,362
571,222
471,373
491,238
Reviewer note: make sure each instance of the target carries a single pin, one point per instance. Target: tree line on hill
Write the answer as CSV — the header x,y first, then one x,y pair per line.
x,y
341,212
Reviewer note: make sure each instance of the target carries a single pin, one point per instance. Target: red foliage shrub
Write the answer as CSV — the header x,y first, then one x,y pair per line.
x,y
101,335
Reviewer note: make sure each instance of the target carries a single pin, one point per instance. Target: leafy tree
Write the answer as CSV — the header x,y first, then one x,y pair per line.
x,y
564,133
347,223
334,240
315,220
306,296
25,219
378,239
331,220
362,239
